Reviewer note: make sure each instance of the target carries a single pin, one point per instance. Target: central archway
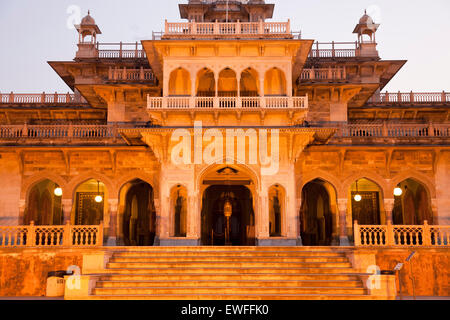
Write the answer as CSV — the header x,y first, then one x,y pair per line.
x,y
227,215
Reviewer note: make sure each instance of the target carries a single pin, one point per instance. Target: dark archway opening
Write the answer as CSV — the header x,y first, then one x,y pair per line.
x,y
242,220
316,219
139,219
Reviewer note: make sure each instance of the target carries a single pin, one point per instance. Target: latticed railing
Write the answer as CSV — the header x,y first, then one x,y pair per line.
x,y
130,75
121,51
51,236
401,235
334,50
318,74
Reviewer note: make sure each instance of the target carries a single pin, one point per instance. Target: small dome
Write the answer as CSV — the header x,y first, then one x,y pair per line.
x,y
88,20
366,19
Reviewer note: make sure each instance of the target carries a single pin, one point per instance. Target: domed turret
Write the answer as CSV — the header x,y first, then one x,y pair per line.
x,y
367,27
87,37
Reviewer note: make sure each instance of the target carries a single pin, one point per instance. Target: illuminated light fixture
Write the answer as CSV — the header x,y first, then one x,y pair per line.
x,y
98,198
357,197
398,192
58,192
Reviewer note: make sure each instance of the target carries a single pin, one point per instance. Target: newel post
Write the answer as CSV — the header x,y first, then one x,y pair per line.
x,y
31,237
390,241
43,97
67,235
443,97
411,97
426,234
357,234
431,132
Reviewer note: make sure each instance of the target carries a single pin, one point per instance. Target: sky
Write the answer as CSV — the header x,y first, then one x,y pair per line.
x,y
34,32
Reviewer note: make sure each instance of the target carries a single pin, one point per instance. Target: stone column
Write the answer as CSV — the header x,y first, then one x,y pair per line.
x,y
343,235
112,235
157,222
264,217
388,208
67,210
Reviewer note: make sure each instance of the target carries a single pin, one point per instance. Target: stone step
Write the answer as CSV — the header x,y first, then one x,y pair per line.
x,y
230,283
244,252
219,270
229,277
235,264
229,248
151,259
228,290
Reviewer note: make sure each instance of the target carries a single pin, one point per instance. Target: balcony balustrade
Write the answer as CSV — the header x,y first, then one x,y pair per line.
x,y
227,29
120,50
41,98
411,98
131,75
323,74
155,103
334,50
396,130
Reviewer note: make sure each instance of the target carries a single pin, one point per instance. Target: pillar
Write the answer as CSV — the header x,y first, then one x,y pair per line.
x,y
67,210
388,208
112,234
343,234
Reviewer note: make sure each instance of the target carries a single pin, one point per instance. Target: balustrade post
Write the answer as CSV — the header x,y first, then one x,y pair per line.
x,y
357,234
385,130
110,73
390,240
11,97
166,27
43,97
386,97
312,74
344,74
216,27
426,236
136,51
66,235
70,131
333,52
120,50
431,132
399,97
330,73
317,50
343,235
288,26
193,27
31,236
68,99
25,130
238,27
411,97
55,97
100,235
443,99
261,27
124,74
141,74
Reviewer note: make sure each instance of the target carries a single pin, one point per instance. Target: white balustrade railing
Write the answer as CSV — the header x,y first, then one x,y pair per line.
x,y
51,236
334,50
411,98
120,51
401,235
41,98
180,29
227,102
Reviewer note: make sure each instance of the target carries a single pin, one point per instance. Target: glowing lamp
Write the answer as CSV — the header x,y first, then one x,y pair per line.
x,y
358,198
98,199
398,192
58,192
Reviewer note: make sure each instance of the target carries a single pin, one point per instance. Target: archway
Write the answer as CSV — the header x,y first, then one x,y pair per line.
x,y
206,83
318,213
227,214
249,83
90,197
276,210
44,204
366,202
179,83
275,83
227,85
178,208
412,206
139,214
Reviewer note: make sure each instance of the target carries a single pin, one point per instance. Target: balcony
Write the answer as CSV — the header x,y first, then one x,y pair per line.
x,y
208,30
334,50
224,103
394,130
124,51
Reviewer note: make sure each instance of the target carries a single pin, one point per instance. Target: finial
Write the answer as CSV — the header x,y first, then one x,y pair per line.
x,y
365,11
89,12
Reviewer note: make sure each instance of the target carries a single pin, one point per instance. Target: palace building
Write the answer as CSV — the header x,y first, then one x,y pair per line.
x,y
227,129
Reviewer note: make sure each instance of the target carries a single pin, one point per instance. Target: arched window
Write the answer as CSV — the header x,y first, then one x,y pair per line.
x,y
275,83
179,83
249,83
227,83
90,197
44,204
206,83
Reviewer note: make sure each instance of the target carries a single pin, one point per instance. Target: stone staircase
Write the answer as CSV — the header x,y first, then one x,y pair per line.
x,y
229,273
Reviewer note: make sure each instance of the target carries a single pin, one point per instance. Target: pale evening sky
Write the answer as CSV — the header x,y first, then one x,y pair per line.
x,y
34,32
